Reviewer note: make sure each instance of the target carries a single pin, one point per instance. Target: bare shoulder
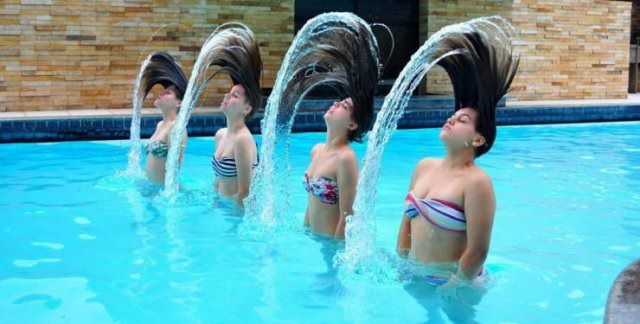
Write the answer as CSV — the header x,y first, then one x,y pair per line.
x,y
347,157
422,168
159,124
347,163
244,139
316,148
427,164
220,133
479,180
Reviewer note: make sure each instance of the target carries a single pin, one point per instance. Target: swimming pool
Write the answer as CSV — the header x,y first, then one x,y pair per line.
x,y
79,243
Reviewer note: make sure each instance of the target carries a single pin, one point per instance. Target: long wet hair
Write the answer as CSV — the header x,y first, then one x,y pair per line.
x,y
163,69
481,75
344,55
363,69
240,58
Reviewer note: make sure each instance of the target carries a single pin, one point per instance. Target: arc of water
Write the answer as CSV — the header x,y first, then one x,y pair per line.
x,y
389,33
313,58
133,165
221,39
359,255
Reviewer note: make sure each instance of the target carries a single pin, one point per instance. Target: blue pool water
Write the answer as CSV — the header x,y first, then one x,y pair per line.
x,y
79,243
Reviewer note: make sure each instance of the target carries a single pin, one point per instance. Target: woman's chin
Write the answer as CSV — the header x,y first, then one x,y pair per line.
x,y
161,106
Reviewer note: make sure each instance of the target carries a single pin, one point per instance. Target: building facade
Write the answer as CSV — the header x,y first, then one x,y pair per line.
x,y
73,54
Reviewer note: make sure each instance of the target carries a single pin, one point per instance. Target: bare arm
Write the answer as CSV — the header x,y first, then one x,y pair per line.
x,y
404,237
479,206
347,181
242,153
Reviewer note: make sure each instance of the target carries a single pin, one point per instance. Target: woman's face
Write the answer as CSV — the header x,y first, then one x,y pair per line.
x,y
167,99
235,102
339,115
460,129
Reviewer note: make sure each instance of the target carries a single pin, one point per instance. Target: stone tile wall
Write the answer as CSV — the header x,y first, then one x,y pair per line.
x,y
570,49
72,54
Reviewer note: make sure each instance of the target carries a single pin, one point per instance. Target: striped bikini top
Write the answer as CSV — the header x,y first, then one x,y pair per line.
x,y
226,166
440,213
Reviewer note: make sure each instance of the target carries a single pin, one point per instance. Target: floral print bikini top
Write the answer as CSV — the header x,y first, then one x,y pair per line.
x,y
323,188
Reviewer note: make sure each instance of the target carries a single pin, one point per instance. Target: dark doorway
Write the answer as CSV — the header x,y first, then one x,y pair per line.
x,y
634,50
401,16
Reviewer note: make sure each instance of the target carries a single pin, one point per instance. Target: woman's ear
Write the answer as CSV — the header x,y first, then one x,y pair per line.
x,y
479,141
352,126
247,110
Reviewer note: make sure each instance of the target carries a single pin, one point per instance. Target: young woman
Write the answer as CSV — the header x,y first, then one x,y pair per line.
x,y
451,202
162,69
332,175
235,153
353,68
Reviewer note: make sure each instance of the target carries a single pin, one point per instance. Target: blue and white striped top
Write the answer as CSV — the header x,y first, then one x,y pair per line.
x,y
226,167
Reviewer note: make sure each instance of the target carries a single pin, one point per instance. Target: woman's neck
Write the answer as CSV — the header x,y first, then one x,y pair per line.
x,y
458,158
169,115
335,139
235,124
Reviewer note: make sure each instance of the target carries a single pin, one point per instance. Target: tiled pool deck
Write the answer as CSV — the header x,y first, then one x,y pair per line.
x,y
92,124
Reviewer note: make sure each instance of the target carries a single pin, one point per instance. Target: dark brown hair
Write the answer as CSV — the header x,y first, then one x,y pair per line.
x,y
240,58
345,56
163,69
481,74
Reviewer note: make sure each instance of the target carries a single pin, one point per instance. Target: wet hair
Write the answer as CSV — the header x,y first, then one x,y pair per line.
x,y
481,74
342,54
163,69
240,58
361,72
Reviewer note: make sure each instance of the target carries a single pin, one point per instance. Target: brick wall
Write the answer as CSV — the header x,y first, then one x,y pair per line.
x,y
86,54
571,49
73,54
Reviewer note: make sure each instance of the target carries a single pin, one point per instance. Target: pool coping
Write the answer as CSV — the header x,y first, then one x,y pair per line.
x,y
623,303
427,112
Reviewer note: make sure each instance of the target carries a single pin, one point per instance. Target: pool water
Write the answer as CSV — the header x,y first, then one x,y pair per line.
x,y
80,243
